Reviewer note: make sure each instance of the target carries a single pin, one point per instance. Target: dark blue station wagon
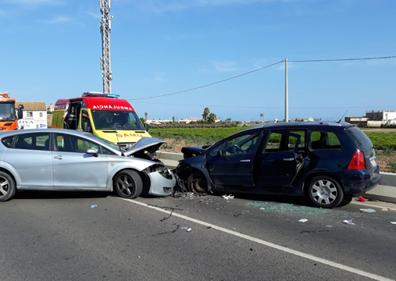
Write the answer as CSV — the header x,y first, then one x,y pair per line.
x,y
326,162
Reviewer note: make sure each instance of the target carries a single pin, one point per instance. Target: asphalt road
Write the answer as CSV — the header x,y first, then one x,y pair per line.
x,y
85,236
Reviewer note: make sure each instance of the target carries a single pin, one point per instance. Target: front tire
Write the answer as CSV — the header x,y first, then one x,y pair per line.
x,y
325,192
128,184
7,187
196,183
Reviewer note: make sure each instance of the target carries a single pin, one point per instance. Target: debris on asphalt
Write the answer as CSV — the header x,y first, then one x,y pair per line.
x,y
228,197
385,209
350,222
369,211
188,229
262,209
393,222
328,226
303,220
139,257
93,206
361,199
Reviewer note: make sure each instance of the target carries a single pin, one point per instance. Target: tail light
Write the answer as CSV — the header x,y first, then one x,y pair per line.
x,y
358,162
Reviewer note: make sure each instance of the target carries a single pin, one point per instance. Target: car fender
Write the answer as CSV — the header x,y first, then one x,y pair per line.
x,y
318,172
196,163
133,164
10,169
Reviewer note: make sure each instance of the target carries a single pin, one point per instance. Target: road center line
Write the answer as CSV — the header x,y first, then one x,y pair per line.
x,y
266,243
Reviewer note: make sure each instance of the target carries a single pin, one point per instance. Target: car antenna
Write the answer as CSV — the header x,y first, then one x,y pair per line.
x,y
342,117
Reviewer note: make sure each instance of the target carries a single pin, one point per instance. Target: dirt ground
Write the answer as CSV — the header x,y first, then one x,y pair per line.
x,y
385,159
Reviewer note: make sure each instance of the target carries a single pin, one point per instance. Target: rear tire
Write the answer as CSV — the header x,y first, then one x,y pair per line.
x,y
128,184
7,187
325,192
196,183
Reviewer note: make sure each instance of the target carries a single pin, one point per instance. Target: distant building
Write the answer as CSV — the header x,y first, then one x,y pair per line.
x,y
381,115
34,115
374,119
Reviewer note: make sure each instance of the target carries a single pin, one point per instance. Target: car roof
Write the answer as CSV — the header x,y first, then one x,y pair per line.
x,y
49,130
302,125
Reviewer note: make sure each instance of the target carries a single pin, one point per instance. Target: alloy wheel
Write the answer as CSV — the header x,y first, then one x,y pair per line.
x,y
4,186
125,184
324,191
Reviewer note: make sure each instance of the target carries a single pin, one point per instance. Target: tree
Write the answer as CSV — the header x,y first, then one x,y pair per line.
x,y
205,114
211,118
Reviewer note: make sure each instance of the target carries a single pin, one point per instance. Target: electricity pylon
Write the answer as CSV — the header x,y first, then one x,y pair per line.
x,y
105,29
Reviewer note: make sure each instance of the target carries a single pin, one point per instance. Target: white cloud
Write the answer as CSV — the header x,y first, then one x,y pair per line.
x,y
33,2
59,20
225,66
180,5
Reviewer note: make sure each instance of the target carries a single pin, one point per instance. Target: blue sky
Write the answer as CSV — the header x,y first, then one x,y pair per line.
x,y
50,49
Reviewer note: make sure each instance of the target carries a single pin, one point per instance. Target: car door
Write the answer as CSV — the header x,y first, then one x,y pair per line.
x,y
74,167
280,159
230,163
30,155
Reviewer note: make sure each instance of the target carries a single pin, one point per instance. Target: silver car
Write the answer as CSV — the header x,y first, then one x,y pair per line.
x,y
57,159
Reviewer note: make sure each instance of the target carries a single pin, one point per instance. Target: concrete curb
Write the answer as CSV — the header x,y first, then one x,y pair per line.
x,y
386,191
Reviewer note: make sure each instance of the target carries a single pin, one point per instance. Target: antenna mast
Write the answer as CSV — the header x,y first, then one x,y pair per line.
x,y
105,29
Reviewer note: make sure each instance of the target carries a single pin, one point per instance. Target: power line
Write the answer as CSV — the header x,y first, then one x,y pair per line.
x,y
208,84
259,69
344,59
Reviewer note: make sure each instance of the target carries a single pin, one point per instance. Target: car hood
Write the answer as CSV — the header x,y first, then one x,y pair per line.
x,y
144,144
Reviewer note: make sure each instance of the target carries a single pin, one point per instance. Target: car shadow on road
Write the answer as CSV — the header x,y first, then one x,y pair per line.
x,y
27,194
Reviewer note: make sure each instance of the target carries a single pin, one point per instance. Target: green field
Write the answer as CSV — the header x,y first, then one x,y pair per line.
x,y
382,139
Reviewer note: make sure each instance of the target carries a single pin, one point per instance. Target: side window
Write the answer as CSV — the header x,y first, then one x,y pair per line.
x,y
105,151
37,141
240,145
293,138
274,142
324,140
8,142
69,143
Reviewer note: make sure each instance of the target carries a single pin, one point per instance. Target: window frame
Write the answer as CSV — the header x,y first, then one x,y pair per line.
x,y
15,138
340,147
284,142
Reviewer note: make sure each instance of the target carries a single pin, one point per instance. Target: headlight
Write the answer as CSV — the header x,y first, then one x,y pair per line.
x,y
160,169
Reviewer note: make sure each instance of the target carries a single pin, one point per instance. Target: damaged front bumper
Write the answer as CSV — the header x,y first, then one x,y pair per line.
x,y
162,180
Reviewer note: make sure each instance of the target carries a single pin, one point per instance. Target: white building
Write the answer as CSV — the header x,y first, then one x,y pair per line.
x,y
381,115
34,115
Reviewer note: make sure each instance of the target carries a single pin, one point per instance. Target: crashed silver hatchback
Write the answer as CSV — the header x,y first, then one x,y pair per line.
x,y
58,159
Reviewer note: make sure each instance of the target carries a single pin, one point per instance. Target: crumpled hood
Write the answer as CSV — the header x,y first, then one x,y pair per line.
x,y
144,144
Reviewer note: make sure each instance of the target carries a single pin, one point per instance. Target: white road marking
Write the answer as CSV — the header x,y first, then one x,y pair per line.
x,y
373,206
268,244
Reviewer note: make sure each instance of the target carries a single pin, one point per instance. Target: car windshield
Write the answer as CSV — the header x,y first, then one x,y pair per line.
x,y
7,111
116,120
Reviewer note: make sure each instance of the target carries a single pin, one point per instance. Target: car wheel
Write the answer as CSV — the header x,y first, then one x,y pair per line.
x,y
196,182
7,187
325,192
128,184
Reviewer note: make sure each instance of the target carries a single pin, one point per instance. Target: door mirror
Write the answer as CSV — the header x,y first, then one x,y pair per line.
x,y
20,111
93,151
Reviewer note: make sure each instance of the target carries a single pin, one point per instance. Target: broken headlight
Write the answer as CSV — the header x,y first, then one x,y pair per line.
x,y
160,169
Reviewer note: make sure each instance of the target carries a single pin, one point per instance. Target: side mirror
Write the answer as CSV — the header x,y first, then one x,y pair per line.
x,y
20,111
93,151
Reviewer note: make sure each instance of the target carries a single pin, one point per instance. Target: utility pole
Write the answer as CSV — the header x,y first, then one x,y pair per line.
x,y
105,29
286,93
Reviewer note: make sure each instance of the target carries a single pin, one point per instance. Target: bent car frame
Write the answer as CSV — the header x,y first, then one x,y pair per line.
x,y
58,159
326,162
